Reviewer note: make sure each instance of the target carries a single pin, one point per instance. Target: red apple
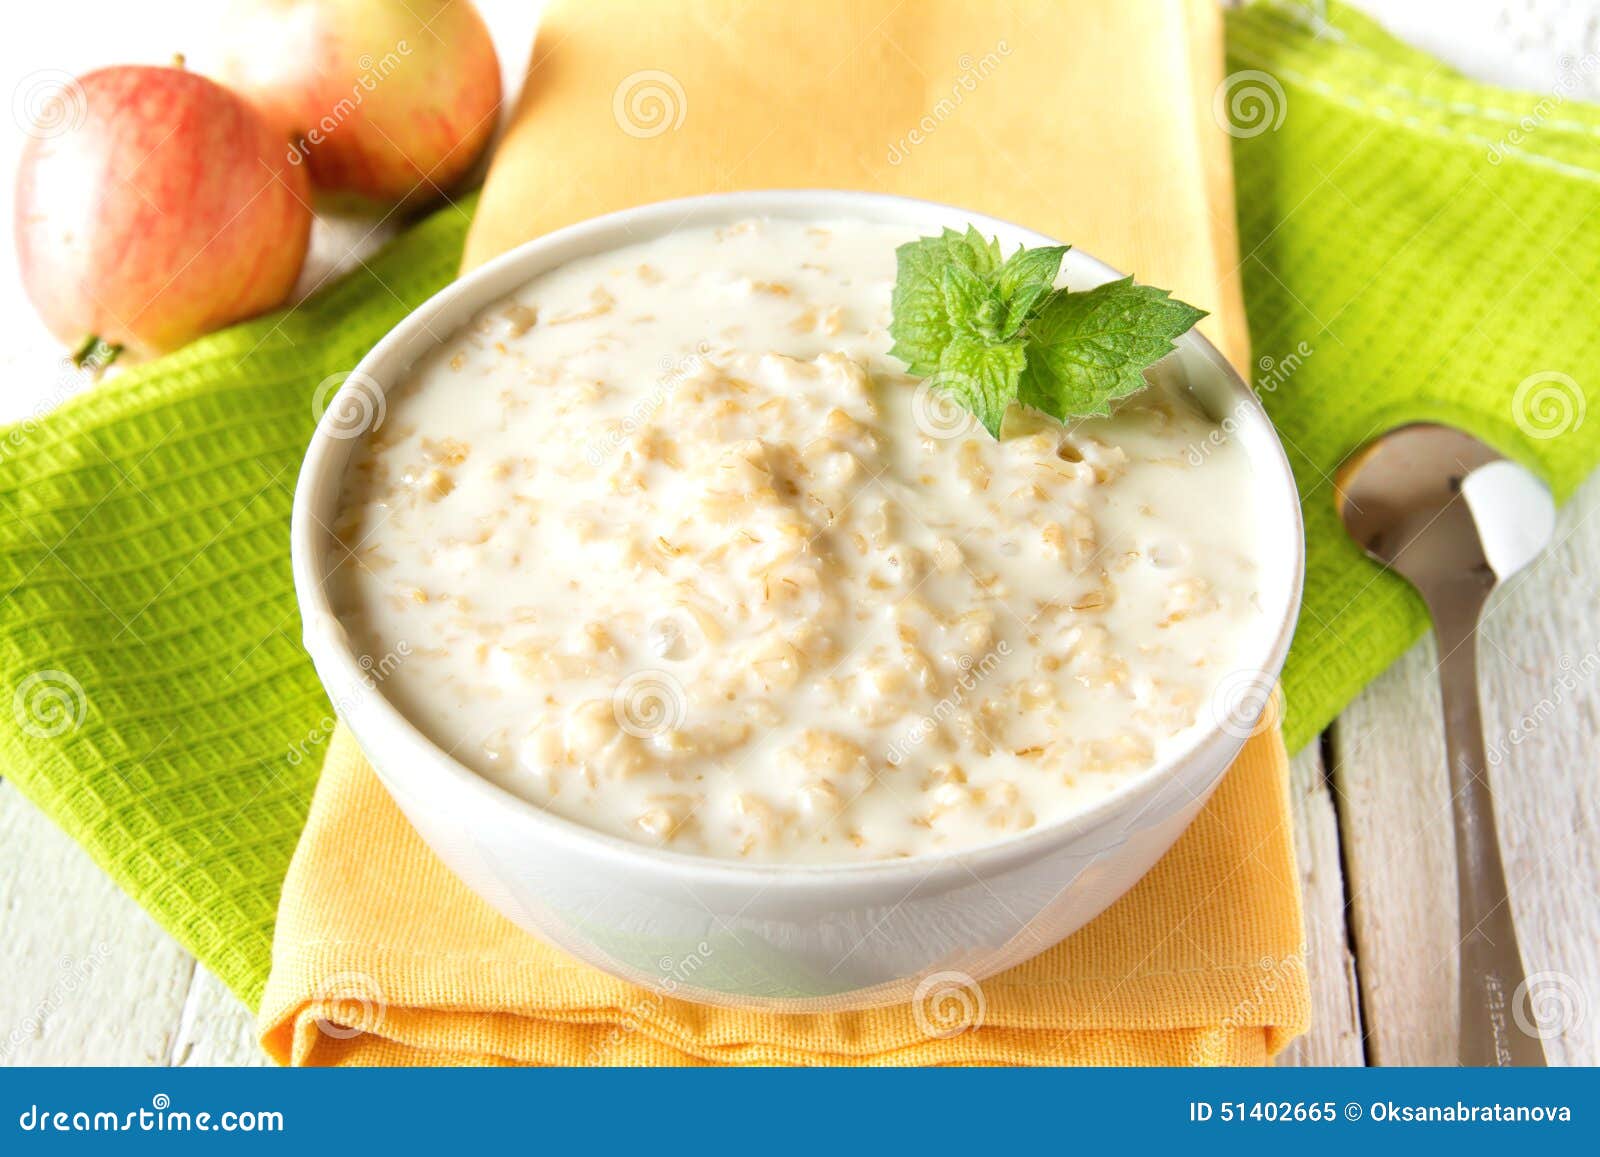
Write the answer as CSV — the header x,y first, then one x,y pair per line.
x,y
163,209
387,100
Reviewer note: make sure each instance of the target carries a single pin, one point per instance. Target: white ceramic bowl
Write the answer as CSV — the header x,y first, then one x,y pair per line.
x,y
791,938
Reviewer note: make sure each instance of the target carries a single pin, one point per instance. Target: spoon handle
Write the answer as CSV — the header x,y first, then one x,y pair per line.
x,y
1491,964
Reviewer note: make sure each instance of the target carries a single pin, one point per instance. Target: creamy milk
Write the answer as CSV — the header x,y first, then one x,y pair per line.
x,y
672,548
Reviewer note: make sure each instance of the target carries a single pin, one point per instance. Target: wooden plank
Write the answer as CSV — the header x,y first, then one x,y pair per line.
x,y
1335,1036
1540,669
89,978
215,1027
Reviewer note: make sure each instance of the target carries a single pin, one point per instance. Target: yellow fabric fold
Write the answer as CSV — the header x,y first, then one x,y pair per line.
x,y
1090,121
383,957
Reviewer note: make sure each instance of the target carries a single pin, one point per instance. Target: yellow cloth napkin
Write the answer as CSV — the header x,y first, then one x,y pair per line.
x,y
1090,121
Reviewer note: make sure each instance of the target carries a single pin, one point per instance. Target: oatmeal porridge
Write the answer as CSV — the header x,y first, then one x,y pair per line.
x,y
674,549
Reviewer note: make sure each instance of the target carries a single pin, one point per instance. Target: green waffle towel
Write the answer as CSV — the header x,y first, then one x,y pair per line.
x,y
1414,246
162,710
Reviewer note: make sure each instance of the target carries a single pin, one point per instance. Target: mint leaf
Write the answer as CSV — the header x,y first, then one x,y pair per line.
x,y
1031,266
965,296
922,324
981,375
990,332
971,250
1085,349
1027,276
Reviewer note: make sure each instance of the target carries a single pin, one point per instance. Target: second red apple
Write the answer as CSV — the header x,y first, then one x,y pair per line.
x,y
386,100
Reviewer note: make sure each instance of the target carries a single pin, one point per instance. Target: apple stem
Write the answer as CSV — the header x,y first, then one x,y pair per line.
x,y
95,354
179,62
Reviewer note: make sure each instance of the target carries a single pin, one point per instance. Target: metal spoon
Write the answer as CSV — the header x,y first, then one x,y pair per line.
x,y
1455,519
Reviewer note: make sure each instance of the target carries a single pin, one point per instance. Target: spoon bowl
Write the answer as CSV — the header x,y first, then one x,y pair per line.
x,y
1432,502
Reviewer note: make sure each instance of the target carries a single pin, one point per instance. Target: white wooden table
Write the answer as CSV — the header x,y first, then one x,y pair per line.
x,y
90,979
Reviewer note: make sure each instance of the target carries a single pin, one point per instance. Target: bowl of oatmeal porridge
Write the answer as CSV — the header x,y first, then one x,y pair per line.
x,y
705,643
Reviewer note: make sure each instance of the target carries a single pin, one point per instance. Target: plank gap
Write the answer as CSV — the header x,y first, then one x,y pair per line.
x,y
181,1035
1358,1000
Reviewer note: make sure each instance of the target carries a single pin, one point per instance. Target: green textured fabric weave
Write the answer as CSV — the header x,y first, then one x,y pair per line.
x,y
163,712
1415,246
1404,258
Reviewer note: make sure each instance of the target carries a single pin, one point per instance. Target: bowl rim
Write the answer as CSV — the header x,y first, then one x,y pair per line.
x,y
335,659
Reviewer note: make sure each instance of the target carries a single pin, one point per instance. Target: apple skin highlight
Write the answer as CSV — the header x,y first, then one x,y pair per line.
x,y
168,210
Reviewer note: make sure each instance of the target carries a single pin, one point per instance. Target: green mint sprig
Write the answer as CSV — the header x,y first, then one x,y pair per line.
x,y
991,332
